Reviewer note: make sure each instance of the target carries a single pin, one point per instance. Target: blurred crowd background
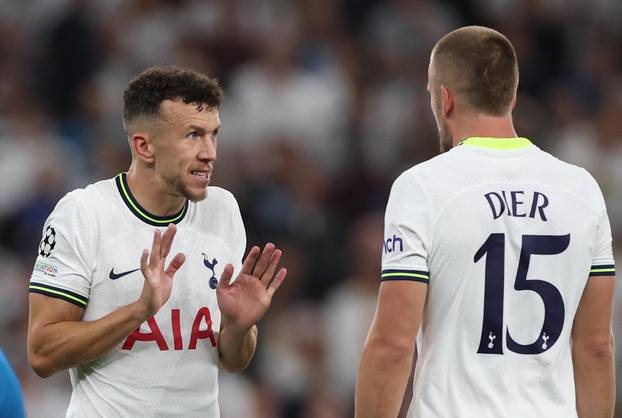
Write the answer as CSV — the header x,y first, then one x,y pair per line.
x,y
326,104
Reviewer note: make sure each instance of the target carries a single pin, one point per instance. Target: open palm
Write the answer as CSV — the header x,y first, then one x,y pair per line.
x,y
158,280
245,301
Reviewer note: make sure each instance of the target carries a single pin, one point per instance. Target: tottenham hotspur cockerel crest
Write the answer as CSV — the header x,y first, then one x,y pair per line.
x,y
213,281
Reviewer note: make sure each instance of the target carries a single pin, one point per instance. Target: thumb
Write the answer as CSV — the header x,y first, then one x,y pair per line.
x,y
225,277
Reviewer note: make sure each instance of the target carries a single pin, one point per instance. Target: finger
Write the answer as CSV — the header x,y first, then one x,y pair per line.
x,y
225,277
264,260
175,265
155,249
167,240
143,262
269,273
276,283
249,263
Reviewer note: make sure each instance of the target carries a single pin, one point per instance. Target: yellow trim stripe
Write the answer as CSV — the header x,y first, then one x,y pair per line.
x,y
56,292
420,276
137,209
603,270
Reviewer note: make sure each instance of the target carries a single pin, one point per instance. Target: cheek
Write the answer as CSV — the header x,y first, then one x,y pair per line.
x,y
435,109
171,163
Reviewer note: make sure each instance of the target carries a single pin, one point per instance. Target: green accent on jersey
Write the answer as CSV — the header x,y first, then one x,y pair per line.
x,y
497,143
420,276
57,292
612,270
140,212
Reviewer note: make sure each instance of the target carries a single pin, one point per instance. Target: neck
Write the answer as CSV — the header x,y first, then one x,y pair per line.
x,y
486,126
151,192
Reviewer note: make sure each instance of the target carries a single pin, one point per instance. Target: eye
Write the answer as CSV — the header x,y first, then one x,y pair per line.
x,y
214,135
193,135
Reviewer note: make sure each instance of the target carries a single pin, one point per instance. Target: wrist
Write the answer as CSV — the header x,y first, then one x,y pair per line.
x,y
236,331
140,311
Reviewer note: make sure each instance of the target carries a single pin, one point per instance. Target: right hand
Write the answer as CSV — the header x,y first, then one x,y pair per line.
x,y
158,282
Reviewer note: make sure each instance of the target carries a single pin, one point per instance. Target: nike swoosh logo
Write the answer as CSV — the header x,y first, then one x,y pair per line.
x,y
115,276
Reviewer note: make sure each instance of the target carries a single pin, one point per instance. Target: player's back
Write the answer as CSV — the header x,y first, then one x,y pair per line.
x,y
509,235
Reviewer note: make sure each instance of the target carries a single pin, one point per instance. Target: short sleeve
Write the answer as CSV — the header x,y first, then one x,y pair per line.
x,y
406,232
62,268
603,263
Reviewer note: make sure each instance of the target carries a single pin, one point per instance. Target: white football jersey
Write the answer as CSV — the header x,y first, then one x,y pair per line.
x,y
90,256
506,236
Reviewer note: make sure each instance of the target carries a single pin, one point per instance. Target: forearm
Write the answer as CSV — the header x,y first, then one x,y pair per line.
x,y
594,379
61,345
382,380
236,348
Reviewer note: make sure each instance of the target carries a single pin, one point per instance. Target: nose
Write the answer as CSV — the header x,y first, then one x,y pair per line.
x,y
207,152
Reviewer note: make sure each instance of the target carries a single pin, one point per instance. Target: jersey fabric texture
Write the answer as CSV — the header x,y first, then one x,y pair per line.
x,y
90,256
506,237
11,399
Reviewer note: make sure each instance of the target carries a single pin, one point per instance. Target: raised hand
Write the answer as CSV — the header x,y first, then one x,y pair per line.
x,y
159,282
245,301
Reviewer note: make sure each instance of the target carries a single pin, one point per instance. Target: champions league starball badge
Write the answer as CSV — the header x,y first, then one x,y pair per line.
x,y
47,242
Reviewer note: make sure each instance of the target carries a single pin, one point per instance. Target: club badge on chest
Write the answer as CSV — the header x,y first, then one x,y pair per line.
x,y
211,265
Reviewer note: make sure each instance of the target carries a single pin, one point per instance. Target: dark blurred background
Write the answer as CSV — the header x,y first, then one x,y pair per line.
x,y
326,104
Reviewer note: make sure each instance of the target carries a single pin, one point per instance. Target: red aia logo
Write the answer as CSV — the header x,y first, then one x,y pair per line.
x,y
178,344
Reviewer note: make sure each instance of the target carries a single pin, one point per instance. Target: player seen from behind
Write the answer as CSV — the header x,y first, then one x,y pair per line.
x,y
499,254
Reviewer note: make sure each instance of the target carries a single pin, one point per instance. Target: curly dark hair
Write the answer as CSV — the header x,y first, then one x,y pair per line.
x,y
155,84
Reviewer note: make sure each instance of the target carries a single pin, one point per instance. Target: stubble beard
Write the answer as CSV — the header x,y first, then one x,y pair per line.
x,y
444,139
182,188
193,197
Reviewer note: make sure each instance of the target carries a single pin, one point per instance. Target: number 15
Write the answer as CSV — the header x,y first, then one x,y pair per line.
x,y
492,327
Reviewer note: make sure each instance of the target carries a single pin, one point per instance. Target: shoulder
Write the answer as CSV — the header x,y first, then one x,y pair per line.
x,y
219,207
408,195
573,178
424,174
85,200
219,199
432,171
556,163
218,213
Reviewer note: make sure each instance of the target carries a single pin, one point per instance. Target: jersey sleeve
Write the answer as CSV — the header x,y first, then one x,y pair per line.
x,y
62,268
406,232
603,263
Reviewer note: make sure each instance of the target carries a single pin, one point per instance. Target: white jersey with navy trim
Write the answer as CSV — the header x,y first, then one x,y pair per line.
x,y
506,236
90,256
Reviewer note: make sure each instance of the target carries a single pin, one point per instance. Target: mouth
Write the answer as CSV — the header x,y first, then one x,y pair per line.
x,y
202,176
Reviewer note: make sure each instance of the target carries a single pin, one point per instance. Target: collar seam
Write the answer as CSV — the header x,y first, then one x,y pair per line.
x,y
497,143
140,212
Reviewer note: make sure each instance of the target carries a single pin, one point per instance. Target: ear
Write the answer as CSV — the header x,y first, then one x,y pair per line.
x,y
514,102
448,101
142,146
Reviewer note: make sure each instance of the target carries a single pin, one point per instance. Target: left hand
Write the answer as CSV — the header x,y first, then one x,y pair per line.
x,y
245,301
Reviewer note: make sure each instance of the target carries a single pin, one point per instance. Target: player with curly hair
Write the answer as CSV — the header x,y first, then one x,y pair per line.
x,y
142,333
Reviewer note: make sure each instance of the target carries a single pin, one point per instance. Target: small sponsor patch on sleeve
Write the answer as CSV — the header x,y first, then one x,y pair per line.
x,y
45,269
